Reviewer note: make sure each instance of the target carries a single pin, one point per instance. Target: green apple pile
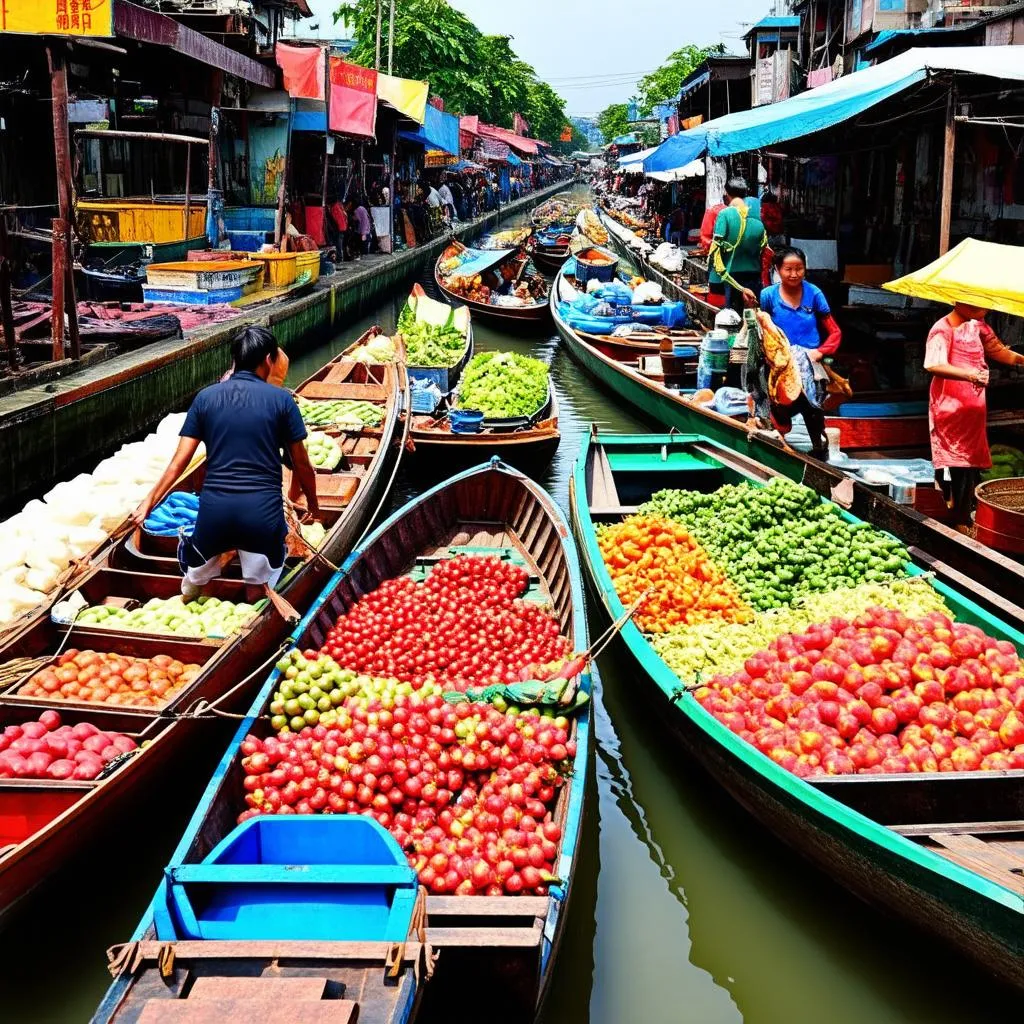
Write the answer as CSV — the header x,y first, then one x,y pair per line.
x,y
341,412
314,689
203,617
323,450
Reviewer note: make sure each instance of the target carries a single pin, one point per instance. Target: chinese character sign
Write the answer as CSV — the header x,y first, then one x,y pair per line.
x,y
58,17
353,100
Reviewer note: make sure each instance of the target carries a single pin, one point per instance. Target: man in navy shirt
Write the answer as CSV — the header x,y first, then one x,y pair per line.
x,y
244,422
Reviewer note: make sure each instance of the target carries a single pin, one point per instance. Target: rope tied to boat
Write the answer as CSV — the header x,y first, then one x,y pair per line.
x,y
210,709
128,957
426,958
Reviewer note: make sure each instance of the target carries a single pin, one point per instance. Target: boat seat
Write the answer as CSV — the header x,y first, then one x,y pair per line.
x,y
340,371
353,392
267,1010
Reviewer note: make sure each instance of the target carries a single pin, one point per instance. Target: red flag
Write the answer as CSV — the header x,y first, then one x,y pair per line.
x,y
520,125
303,70
437,103
353,106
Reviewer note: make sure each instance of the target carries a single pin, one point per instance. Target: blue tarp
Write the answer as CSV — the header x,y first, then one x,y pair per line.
x,y
477,261
309,116
467,165
831,104
513,160
439,131
627,140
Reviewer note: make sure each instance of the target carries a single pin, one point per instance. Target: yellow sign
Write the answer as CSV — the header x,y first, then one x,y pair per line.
x,y
58,17
439,158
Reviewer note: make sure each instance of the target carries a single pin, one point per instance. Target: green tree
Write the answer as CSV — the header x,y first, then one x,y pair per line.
x,y
473,73
664,84
613,121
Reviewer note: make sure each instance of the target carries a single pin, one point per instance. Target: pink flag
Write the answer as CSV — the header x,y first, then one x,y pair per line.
x,y
353,106
303,70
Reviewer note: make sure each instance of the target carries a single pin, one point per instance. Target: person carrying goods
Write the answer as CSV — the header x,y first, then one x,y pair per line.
x,y
244,422
734,262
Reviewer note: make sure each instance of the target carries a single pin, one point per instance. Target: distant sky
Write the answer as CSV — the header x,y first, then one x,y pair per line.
x,y
592,51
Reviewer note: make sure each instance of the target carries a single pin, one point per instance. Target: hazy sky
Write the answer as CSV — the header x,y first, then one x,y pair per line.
x,y
592,51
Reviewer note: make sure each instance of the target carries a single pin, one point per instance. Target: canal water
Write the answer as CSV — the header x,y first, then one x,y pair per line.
x,y
683,909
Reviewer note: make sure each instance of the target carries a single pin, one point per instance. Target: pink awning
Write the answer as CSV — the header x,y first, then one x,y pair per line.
x,y
530,147
145,26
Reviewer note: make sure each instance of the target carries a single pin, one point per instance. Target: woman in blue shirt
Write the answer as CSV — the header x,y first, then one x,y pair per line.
x,y
799,309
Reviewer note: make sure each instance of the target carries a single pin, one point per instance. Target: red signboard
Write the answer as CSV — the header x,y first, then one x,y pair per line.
x,y
353,101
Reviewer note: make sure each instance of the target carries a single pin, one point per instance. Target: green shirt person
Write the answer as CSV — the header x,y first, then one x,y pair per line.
x,y
736,249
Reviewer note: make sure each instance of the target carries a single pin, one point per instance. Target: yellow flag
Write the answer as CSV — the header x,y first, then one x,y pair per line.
x,y
406,95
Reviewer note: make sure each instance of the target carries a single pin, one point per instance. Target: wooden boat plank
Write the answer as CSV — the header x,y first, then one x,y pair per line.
x,y
496,906
267,1009
958,827
292,989
284,950
500,938
981,857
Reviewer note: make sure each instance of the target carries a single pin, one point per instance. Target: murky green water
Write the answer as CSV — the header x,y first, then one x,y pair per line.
x,y
683,909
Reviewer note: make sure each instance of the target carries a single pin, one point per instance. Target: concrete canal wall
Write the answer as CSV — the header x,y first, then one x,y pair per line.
x,y
51,432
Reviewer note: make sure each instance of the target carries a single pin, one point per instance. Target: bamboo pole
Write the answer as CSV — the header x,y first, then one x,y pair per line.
x,y
380,11
948,158
188,187
391,38
327,141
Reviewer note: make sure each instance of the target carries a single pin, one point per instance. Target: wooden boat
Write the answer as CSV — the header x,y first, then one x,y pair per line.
x,y
496,948
44,823
510,316
528,443
945,851
668,407
549,250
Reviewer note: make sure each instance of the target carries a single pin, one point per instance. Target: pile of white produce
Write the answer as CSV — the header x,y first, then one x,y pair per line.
x,y
39,542
669,257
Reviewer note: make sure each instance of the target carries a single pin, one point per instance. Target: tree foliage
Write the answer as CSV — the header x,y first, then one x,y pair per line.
x,y
474,73
664,84
613,121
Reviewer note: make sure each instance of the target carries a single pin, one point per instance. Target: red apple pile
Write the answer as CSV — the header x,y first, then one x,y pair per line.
x,y
464,626
880,694
45,749
465,789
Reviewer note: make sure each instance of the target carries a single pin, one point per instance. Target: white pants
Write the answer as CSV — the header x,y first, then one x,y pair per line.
x,y
256,570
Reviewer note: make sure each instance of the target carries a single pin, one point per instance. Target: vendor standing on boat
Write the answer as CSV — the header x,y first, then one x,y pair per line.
x,y
800,308
245,422
956,355
734,262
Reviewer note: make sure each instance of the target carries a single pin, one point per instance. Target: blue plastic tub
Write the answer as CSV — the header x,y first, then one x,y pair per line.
x,y
587,271
683,351
304,877
465,421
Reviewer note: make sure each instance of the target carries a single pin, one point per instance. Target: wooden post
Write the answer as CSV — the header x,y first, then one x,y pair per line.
x,y
63,282
376,60
60,252
6,312
327,140
948,155
188,186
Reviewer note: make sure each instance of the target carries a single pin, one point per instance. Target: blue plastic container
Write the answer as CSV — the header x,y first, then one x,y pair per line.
x,y
465,421
683,351
303,877
587,271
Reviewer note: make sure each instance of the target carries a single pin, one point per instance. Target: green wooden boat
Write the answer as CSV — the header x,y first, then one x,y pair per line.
x,y
943,850
668,408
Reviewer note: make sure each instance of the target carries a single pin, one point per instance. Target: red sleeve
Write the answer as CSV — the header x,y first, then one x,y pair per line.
x,y
833,335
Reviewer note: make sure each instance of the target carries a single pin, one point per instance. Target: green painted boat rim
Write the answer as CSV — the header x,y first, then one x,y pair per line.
x,y
773,775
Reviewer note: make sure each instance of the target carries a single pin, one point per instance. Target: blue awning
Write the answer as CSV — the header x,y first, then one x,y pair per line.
x,y
439,131
467,165
309,116
627,140
700,80
513,160
831,104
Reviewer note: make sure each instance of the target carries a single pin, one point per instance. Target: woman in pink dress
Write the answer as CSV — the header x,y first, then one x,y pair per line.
x,y
956,355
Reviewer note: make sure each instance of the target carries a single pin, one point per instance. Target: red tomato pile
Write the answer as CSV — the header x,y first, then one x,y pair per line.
x,y
117,679
465,789
464,626
45,749
881,694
